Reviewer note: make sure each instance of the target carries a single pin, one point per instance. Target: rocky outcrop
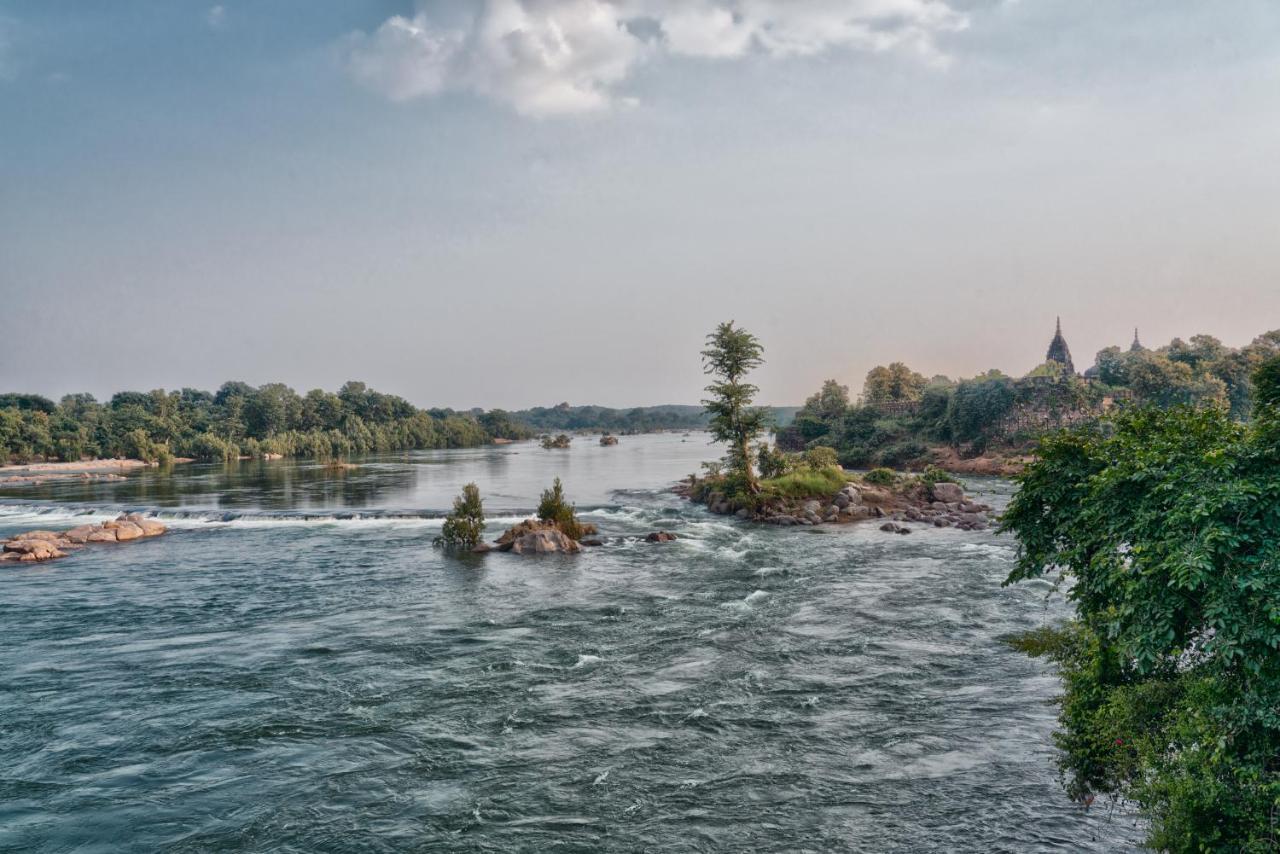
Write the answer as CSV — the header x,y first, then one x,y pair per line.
x,y
534,536
34,546
942,505
608,440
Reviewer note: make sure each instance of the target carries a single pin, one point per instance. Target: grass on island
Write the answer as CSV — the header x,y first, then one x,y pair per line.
x,y
805,483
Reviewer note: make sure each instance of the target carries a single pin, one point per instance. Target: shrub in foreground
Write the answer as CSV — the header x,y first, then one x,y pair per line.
x,y
1169,527
464,526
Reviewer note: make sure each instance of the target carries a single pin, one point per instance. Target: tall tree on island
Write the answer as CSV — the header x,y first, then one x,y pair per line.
x,y
731,353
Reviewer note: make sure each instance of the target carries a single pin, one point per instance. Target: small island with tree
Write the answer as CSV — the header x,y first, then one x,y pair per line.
x,y
808,488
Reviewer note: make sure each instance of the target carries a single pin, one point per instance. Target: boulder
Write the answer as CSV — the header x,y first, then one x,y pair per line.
x,y
481,548
128,531
545,541
948,492
660,537
592,542
102,535
812,507
80,534
151,527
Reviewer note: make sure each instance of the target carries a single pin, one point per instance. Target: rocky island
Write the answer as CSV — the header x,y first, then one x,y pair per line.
x,y
50,545
878,495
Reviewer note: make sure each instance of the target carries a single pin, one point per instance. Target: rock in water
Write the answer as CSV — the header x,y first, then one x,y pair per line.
x,y
947,492
660,537
545,541
48,545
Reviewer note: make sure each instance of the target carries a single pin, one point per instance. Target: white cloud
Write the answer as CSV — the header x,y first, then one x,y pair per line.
x,y
216,17
549,57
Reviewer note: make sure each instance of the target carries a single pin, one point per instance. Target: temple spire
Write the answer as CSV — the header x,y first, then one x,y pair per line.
x,y
1136,345
1059,352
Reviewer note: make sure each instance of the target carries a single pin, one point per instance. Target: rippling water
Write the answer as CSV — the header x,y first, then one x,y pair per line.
x,y
294,668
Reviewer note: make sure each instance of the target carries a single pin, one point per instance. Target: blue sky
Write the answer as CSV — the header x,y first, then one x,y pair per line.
x,y
514,202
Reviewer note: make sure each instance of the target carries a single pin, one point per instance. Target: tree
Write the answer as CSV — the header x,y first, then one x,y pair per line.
x,y
829,403
554,507
1158,380
730,355
894,383
464,526
1113,365
978,406
1168,525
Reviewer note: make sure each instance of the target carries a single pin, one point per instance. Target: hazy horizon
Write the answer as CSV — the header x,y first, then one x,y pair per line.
x,y
510,203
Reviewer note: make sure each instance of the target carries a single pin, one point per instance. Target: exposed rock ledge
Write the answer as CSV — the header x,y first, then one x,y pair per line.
x,y
942,505
48,545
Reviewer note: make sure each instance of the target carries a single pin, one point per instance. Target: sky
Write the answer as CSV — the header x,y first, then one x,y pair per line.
x,y
507,203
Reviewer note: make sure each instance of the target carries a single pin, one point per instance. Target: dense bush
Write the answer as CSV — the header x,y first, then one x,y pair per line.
x,y
465,525
881,477
555,508
1168,525
772,461
820,457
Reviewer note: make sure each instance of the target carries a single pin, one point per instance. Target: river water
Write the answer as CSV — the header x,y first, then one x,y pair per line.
x,y
295,668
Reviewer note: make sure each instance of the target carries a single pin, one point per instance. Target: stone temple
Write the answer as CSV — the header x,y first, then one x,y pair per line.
x,y
1059,353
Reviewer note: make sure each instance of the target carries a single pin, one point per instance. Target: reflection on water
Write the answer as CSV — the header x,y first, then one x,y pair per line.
x,y
511,477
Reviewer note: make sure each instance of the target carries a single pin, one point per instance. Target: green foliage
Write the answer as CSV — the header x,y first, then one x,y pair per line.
x,y
555,508
805,483
731,354
893,383
820,457
881,477
465,525
237,418
1266,387
561,441
1168,525
978,406
772,462
933,474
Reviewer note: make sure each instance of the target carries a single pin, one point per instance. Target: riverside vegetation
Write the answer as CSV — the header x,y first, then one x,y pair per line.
x,y
237,420
809,488
1167,525
904,419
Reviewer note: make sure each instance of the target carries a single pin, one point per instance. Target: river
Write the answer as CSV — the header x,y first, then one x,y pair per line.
x,y
294,668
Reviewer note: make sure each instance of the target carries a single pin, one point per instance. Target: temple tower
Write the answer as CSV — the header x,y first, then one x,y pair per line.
x,y
1059,352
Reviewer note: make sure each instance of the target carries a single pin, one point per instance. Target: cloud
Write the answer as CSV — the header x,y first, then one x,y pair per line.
x,y
216,17
553,57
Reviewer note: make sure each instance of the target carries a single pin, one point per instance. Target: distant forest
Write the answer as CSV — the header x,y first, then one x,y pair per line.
x,y
241,420
640,419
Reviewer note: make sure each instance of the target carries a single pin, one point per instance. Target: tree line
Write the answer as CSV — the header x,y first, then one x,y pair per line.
x,y
237,420
901,412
